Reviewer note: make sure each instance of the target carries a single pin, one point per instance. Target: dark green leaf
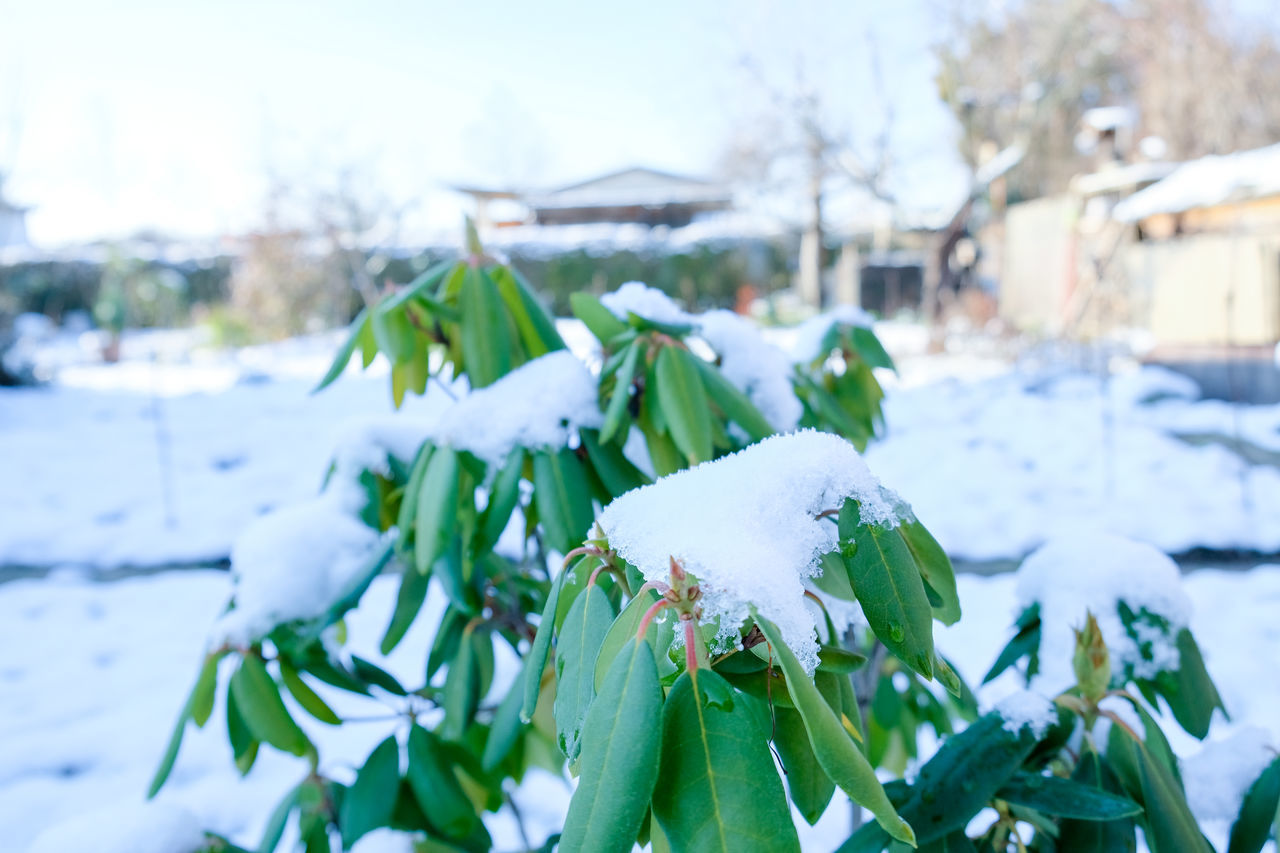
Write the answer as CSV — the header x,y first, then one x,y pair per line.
x,y
374,674
891,592
486,342
581,636
1117,835
537,331
737,407
394,334
615,413
869,347
437,508
504,494
536,661
599,319
963,776
413,592
1025,643
306,697
935,568
615,470
1060,797
1258,815
563,497
259,703
684,403
436,786
461,689
1190,691
274,829
371,799
348,348
506,726
717,787
811,788
832,744
619,760
621,632
244,747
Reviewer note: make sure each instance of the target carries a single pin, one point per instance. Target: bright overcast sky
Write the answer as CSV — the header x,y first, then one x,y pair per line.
x,y
116,116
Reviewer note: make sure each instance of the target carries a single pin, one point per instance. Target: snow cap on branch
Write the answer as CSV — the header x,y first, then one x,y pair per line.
x,y
746,526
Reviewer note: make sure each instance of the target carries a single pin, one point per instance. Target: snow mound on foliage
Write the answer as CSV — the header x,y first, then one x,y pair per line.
x,y
1219,775
746,526
1092,571
540,404
754,366
293,563
1025,709
806,345
636,297
124,828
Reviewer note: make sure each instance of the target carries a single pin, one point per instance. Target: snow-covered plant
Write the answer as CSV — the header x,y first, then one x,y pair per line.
x,y
1089,767
668,692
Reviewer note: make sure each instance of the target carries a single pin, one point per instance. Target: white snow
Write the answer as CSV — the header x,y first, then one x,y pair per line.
x,y
1092,572
1025,709
636,297
124,827
807,341
293,564
1218,776
385,841
541,404
1205,182
745,525
754,366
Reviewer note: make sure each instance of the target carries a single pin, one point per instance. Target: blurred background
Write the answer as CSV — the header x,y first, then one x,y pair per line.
x,y
1064,215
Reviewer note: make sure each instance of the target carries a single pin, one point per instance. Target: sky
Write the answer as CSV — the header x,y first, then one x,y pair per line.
x,y
180,117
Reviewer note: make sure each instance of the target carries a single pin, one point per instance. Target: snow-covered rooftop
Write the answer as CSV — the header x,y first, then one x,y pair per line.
x,y
1206,182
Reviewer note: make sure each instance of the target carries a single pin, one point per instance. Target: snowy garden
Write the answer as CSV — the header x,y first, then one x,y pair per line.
x,y
588,529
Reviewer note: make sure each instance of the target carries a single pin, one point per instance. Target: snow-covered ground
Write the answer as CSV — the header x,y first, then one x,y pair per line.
x,y
157,462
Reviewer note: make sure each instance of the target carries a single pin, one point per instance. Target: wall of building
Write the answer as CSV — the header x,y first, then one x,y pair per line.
x,y
1037,263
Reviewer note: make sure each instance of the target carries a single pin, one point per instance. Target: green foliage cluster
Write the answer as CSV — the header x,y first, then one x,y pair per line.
x,y
671,746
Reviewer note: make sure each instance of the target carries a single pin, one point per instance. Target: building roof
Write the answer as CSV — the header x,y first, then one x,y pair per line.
x,y
1207,182
637,185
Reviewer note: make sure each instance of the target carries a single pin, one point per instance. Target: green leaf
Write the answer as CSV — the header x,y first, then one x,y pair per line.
x,y
421,286
1168,825
717,787
437,508
537,330
461,688
198,707
891,592
1253,827
619,766
737,406
504,494
413,592
811,788
371,799
1025,643
244,747
306,697
834,580
832,745
274,829
1190,691
506,726
684,403
536,661
616,412
1118,835
834,659
343,357
869,347
581,636
935,569
1060,797
486,343
563,498
598,319
621,632
351,594
374,674
963,775
436,787
394,334
614,469
412,488
259,703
